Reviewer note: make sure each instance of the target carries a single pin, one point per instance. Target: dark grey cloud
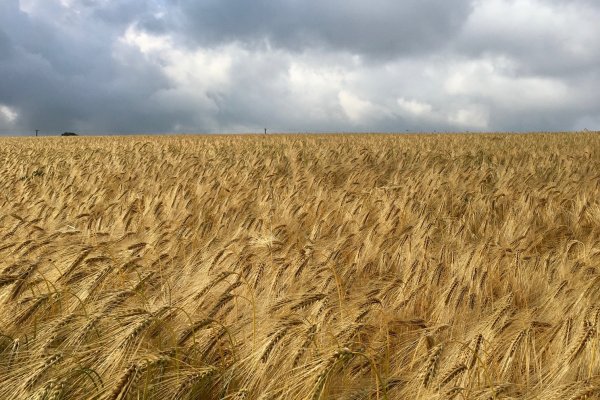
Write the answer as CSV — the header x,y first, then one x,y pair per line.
x,y
60,70
5,46
233,65
380,28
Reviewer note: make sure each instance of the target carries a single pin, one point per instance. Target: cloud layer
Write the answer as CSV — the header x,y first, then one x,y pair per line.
x,y
101,66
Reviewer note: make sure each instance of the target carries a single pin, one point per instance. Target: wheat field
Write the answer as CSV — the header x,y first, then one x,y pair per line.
x,y
300,267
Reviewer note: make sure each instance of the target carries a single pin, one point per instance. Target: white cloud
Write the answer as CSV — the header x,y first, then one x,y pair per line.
x,y
145,42
414,107
316,88
473,116
194,75
358,110
340,89
544,35
67,3
8,114
537,17
496,79
199,70
312,86
27,6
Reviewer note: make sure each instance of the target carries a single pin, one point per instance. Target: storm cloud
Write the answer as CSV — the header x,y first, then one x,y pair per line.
x,y
101,66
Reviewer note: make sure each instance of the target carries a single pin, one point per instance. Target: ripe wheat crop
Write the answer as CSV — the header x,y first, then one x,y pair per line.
x,y
300,267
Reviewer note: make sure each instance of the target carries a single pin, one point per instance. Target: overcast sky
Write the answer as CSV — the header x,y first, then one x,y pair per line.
x,y
131,66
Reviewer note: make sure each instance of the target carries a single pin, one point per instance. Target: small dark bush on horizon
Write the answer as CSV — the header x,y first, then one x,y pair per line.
x,y
69,134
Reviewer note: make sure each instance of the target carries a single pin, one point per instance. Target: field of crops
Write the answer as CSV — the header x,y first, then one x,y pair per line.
x,y
300,267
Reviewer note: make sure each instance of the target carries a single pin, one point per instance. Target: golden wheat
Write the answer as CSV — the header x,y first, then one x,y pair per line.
x,y
300,267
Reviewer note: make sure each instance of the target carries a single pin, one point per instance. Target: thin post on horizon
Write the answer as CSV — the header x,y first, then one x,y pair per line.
x,y
36,132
